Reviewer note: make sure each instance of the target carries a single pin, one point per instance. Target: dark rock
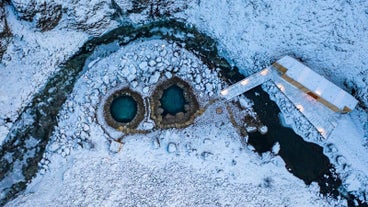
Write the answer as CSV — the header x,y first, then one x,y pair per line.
x,y
46,15
49,16
152,8
26,9
96,15
5,33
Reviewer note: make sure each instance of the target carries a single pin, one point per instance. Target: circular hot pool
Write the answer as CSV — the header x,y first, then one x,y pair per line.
x,y
173,104
173,100
124,109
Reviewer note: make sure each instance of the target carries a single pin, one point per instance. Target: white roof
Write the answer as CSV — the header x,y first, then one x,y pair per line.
x,y
317,83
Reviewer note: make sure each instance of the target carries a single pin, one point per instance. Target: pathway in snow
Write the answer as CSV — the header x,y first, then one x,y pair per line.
x,y
246,84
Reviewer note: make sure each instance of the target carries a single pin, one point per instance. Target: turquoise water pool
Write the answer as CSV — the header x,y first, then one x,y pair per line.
x,y
123,109
173,100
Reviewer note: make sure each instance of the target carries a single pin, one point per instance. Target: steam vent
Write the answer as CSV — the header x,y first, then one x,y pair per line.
x,y
173,104
124,109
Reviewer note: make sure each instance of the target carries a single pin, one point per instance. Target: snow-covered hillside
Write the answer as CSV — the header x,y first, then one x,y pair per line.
x,y
204,164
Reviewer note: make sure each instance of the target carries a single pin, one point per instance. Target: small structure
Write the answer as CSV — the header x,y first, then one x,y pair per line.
x,y
315,85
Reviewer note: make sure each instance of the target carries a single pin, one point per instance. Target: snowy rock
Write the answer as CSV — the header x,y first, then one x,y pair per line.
x,y
143,65
48,17
89,16
245,103
45,14
251,129
168,74
152,63
209,87
171,147
85,127
131,77
198,79
115,147
145,90
263,129
160,65
154,78
26,9
125,71
163,53
341,160
134,84
167,62
276,148
148,125
206,155
65,152
133,69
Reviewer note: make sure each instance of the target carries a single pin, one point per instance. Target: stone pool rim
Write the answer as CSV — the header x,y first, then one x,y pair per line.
x,y
181,119
139,116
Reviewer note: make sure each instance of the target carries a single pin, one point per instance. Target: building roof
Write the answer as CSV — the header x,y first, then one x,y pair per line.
x,y
317,83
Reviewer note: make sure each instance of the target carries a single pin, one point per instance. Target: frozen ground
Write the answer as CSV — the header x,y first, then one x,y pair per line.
x,y
31,58
329,36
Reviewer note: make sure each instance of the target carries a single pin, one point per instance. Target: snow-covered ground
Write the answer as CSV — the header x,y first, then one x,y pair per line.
x,y
31,58
204,164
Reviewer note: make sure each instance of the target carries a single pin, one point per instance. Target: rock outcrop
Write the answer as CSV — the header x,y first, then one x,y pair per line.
x,y
45,14
5,33
151,9
90,16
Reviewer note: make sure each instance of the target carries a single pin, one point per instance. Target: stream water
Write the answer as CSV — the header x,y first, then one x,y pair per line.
x,y
305,160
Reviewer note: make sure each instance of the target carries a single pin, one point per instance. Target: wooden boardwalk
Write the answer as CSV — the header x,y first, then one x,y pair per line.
x,y
247,84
